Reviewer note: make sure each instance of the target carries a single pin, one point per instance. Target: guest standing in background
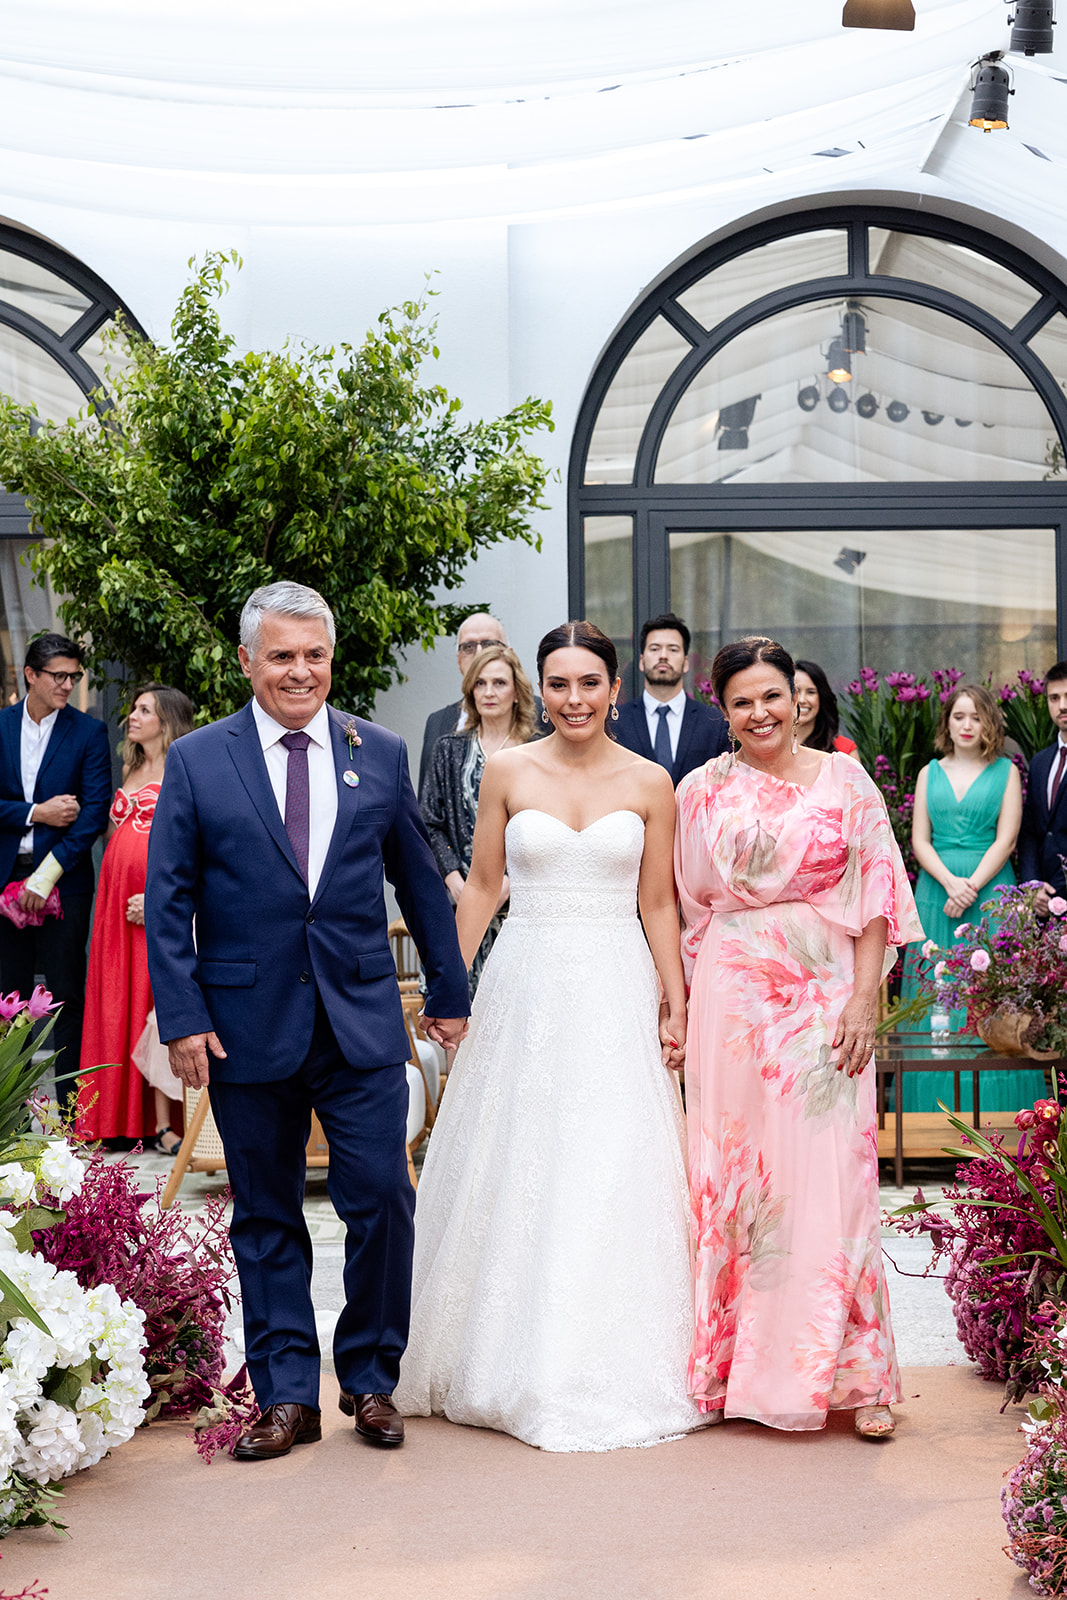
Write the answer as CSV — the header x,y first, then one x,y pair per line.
x,y
498,703
55,780
794,895
116,1104
665,724
818,722
1043,835
968,806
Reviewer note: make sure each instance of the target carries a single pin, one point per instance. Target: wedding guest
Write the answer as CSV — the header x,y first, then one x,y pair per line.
x,y
968,806
551,1295
55,782
115,1104
818,721
794,897
665,724
475,634
498,702
1043,835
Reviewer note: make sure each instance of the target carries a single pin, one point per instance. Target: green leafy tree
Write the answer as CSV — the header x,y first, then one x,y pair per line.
x,y
205,472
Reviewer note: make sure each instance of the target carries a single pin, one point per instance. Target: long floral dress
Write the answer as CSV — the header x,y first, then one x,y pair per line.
x,y
776,881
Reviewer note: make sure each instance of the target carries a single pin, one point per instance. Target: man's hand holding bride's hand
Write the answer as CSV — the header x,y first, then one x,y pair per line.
x,y
672,1037
445,1031
189,1058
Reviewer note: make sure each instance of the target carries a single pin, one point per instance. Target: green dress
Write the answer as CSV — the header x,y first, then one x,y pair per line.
x,y
961,831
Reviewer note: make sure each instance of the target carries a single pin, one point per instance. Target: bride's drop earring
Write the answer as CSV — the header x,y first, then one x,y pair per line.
x,y
545,716
614,712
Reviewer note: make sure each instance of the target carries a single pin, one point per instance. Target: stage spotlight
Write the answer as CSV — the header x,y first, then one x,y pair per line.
x,y
897,411
849,560
888,14
1032,26
962,422
733,423
992,86
867,406
854,331
808,397
838,365
837,400
932,418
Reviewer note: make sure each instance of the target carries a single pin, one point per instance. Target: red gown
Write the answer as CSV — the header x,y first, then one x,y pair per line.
x,y
118,1103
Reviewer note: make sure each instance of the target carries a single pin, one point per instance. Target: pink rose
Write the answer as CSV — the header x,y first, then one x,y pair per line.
x,y
1057,905
929,949
939,971
1063,943
980,960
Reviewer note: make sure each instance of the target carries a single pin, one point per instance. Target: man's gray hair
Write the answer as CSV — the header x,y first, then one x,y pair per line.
x,y
284,599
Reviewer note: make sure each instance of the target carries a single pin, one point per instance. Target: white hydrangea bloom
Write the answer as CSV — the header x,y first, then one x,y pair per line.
x,y
17,1182
62,1173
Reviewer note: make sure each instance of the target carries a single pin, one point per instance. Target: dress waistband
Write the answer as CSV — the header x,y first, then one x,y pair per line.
x,y
549,903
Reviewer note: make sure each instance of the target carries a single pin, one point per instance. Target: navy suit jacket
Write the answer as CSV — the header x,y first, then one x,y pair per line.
x,y
219,852
703,735
1043,838
77,762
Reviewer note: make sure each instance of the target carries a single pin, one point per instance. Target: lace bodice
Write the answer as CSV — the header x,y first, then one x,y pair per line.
x,y
558,873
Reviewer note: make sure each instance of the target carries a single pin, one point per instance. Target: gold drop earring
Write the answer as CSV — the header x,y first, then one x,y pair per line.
x,y
796,725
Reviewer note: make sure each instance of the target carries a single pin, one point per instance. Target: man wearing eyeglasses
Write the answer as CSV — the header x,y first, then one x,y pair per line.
x,y
474,635
55,790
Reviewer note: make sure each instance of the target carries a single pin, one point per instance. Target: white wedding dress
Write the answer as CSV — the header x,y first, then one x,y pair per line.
x,y
551,1296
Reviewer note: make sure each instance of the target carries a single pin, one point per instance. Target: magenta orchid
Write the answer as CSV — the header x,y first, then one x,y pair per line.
x,y
10,1005
40,1002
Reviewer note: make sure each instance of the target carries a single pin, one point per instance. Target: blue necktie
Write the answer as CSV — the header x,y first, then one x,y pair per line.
x,y
662,750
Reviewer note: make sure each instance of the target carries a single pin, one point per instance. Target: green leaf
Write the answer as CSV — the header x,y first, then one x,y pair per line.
x,y
13,1303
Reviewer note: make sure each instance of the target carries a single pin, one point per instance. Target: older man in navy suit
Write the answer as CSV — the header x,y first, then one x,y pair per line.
x,y
665,724
1043,835
55,789
273,831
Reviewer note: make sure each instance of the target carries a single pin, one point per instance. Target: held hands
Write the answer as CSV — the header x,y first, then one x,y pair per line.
x,y
135,910
189,1058
672,1029
448,1032
854,1039
960,893
59,812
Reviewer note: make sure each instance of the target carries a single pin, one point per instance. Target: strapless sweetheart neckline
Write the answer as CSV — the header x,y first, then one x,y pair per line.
x,y
621,811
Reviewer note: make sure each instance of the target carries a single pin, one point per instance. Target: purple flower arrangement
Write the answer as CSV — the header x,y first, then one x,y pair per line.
x,y
1033,1502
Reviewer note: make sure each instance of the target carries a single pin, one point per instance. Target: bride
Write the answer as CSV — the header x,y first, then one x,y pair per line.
x,y
551,1296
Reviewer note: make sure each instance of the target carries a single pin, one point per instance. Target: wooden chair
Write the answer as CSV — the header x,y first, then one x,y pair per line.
x,y
201,1149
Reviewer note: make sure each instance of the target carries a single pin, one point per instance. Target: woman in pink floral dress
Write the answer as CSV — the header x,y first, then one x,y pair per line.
x,y
794,895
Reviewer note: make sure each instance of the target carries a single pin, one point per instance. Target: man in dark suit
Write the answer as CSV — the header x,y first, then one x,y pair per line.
x,y
1043,835
55,790
272,830
665,724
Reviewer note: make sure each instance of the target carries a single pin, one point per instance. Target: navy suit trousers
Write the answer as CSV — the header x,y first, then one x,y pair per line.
x,y
265,1128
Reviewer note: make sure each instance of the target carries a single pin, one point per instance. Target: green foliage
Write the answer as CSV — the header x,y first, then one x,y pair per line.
x,y
212,472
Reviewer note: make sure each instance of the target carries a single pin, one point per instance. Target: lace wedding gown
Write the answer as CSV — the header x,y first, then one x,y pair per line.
x,y
552,1296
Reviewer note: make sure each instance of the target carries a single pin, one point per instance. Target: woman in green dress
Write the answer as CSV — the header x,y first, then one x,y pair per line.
x,y
968,807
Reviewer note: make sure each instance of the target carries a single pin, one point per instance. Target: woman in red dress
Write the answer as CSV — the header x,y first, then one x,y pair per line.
x,y
117,1103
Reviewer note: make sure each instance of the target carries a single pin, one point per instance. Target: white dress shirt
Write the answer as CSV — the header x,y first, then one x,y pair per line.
x,y
1061,743
322,781
676,710
34,743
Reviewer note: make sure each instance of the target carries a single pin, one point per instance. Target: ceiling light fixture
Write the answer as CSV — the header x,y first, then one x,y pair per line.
x,y
890,14
808,397
837,400
897,411
932,418
848,560
733,424
991,86
838,365
1032,25
867,406
854,331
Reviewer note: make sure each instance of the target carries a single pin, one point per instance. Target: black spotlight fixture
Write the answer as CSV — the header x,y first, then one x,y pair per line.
x,y
867,406
854,331
897,411
808,397
1032,25
991,86
962,422
837,400
838,365
848,560
888,14
733,424
932,418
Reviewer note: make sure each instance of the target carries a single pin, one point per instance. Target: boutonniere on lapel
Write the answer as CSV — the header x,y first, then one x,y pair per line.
x,y
353,741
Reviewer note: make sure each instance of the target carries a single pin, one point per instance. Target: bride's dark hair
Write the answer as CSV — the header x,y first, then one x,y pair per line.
x,y
583,636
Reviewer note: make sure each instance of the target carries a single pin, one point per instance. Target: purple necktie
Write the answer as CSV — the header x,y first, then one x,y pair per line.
x,y
297,797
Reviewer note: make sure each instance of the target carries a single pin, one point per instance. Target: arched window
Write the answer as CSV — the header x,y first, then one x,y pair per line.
x,y
845,428
54,314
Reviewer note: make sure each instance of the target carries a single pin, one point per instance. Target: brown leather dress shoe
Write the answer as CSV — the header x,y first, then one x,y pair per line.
x,y
376,1417
276,1432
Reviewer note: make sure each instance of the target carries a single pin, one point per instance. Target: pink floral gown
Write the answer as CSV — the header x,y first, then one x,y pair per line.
x,y
775,880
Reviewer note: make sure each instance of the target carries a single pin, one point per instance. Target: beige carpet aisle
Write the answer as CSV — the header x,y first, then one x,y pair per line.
x,y
734,1513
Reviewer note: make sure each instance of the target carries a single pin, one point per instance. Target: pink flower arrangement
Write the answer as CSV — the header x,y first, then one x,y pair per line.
x,y
980,960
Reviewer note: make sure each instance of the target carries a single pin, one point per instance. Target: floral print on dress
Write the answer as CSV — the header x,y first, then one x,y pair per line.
x,y
137,809
775,882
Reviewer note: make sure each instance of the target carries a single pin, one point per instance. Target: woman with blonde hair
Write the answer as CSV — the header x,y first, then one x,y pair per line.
x,y
498,700
968,807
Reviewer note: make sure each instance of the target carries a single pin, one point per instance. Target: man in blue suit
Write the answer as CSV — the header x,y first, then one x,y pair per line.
x,y
665,724
1043,835
272,831
55,790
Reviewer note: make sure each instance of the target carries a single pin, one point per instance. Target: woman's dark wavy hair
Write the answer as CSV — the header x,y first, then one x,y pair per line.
x,y
580,635
743,653
827,723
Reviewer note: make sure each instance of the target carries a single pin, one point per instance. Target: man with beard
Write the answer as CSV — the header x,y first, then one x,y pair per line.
x,y
665,724
1043,835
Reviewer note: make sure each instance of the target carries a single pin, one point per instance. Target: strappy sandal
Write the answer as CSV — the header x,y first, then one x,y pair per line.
x,y
874,1422
158,1145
